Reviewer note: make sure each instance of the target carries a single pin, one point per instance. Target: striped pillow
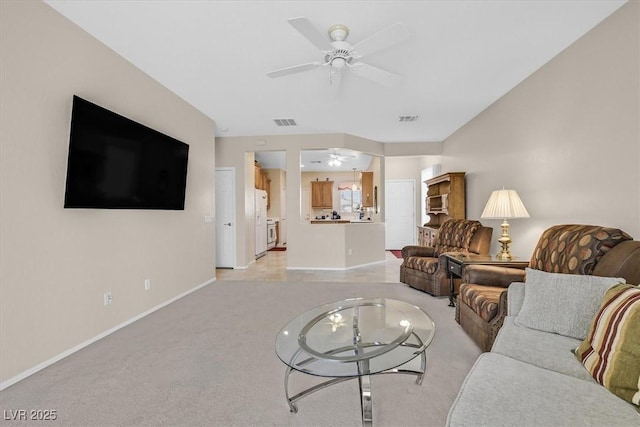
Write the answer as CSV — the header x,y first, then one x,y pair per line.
x,y
611,351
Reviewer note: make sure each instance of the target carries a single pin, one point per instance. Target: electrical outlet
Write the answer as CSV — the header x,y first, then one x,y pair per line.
x,y
108,299
147,284
350,252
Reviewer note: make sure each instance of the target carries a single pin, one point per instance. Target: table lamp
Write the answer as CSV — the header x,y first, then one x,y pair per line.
x,y
504,204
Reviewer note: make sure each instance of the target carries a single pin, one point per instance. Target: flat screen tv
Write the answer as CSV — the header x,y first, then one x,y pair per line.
x,y
117,163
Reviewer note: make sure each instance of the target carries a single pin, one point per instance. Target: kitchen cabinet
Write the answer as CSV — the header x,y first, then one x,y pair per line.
x,y
367,189
262,181
322,194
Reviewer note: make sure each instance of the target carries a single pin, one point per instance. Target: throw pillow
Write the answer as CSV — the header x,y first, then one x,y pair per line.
x,y
561,303
611,351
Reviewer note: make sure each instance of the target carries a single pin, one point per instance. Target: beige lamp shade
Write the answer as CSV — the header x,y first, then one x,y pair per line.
x,y
503,204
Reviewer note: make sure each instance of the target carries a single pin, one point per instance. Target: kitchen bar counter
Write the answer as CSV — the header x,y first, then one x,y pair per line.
x,y
337,246
339,221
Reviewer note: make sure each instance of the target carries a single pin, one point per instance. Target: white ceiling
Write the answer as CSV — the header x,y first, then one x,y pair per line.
x,y
461,57
317,160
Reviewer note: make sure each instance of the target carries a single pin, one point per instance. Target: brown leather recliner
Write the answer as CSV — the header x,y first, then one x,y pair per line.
x,y
571,249
423,268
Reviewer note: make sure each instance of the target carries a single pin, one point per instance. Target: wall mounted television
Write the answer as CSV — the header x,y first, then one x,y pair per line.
x,y
117,163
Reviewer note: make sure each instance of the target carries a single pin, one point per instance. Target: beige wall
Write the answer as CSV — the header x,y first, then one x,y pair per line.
x,y
427,148
567,138
277,184
57,263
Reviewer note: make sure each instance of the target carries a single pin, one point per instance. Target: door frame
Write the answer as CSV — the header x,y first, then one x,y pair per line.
x,y
234,216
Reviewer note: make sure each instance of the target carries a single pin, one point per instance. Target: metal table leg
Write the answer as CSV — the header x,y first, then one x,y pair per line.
x,y
452,287
365,400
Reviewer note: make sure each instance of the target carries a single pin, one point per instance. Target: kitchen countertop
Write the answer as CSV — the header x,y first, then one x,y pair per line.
x,y
339,221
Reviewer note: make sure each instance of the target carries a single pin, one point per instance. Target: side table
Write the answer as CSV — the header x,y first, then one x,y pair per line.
x,y
457,260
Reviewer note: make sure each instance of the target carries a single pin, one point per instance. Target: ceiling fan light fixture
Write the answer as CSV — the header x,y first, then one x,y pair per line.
x,y
334,162
338,63
338,32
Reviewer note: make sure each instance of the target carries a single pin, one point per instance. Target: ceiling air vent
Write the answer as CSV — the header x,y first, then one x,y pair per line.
x,y
285,122
407,118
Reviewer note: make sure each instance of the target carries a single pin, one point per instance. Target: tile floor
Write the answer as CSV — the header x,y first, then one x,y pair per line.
x,y
273,267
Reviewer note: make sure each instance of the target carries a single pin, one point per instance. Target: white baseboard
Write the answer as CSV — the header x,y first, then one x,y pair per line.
x,y
244,267
41,366
336,269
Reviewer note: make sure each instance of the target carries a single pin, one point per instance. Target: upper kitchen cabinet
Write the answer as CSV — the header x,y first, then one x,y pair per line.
x,y
322,194
367,189
262,181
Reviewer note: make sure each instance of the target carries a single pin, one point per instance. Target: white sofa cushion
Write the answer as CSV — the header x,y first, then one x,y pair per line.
x,y
549,351
563,304
501,391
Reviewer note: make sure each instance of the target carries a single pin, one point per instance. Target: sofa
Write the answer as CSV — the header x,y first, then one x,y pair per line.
x,y
533,376
566,248
423,268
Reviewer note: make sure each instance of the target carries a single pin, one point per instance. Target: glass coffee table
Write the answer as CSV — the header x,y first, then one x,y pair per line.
x,y
353,339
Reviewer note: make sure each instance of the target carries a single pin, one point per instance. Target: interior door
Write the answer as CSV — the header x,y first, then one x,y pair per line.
x,y
225,218
400,222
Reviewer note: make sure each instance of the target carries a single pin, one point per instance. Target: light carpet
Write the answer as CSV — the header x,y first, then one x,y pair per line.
x,y
209,360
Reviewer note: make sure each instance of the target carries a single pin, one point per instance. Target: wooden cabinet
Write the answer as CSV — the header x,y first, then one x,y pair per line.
x,y
322,194
367,189
445,199
426,236
257,175
262,181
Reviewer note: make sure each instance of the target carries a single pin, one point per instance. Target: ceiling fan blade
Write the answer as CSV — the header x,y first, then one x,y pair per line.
x,y
306,28
381,40
292,70
375,74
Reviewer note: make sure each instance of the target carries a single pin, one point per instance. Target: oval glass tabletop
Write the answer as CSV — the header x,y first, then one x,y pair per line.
x,y
334,340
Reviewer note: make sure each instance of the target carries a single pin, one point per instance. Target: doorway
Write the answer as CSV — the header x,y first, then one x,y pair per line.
x,y
273,167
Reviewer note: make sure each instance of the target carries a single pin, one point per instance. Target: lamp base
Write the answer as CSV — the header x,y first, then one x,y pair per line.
x,y
505,240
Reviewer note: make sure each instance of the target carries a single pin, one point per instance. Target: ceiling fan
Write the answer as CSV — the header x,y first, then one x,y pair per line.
x,y
335,159
340,55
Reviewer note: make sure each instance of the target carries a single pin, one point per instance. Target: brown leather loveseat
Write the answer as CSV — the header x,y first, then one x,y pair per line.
x,y
570,249
423,268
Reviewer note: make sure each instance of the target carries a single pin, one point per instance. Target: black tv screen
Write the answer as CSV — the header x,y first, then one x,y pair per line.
x,y
117,163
